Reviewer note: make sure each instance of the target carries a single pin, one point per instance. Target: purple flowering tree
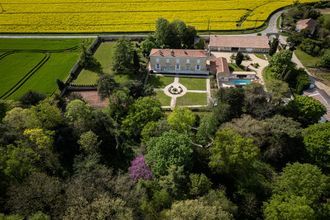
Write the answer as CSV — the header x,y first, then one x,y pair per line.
x,y
139,169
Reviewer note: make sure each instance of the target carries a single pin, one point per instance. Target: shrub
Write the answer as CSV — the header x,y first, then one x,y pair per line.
x,y
139,169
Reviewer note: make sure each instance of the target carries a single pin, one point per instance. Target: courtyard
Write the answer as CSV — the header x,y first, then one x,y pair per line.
x,y
185,91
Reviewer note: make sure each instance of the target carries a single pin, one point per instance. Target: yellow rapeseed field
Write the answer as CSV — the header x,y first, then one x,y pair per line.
x,y
54,16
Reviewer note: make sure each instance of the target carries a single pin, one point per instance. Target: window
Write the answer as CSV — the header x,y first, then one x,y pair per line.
x,y
177,60
198,61
198,67
167,60
188,61
177,66
157,60
157,66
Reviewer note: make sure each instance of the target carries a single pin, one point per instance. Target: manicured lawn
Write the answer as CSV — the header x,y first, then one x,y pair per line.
x,y
306,59
104,54
192,99
44,80
164,99
193,83
14,67
160,81
41,44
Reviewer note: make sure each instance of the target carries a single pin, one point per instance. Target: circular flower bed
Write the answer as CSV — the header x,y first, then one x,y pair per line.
x,y
175,90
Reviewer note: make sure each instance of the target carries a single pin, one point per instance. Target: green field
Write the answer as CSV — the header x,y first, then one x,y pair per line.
x,y
306,59
36,64
104,54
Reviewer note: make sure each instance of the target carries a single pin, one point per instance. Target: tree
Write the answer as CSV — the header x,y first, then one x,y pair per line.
x,y
38,192
239,58
304,180
18,162
234,97
171,148
279,138
257,101
148,44
106,85
214,205
181,119
288,207
306,110
207,127
195,210
273,46
280,64
123,57
39,216
278,89
316,140
3,110
199,184
154,129
32,98
139,169
119,103
231,152
174,182
88,61
161,32
325,60
141,112
49,115
78,113
102,207
20,119
89,143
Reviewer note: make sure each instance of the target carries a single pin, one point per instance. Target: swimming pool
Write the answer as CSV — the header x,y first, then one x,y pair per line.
x,y
241,82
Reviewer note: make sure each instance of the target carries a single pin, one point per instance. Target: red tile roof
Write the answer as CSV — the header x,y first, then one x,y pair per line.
x,y
239,41
178,53
219,65
305,23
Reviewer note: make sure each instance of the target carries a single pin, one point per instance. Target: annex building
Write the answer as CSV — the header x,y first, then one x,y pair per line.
x,y
247,44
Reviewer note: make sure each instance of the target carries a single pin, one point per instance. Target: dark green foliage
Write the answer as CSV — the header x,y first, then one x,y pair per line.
x,y
171,148
325,60
31,98
106,85
316,140
88,61
140,113
306,110
239,58
123,59
60,84
273,46
312,47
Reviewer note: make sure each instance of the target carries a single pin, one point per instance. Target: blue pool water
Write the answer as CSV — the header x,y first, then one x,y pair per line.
x,y
240,82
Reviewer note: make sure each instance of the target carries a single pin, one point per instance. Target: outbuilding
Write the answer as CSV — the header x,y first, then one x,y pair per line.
x,y
247,44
